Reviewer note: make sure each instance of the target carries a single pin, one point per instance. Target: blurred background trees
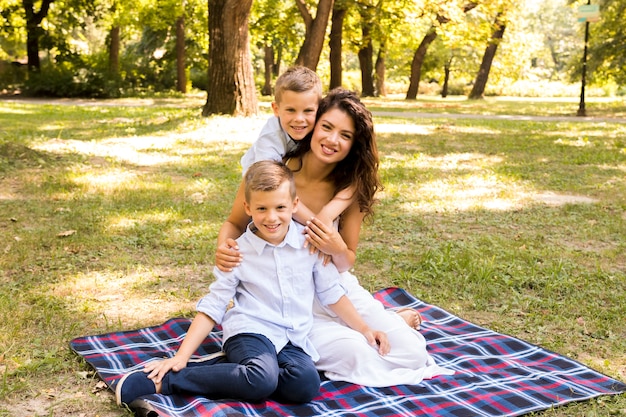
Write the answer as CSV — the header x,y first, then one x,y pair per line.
x,y
113,48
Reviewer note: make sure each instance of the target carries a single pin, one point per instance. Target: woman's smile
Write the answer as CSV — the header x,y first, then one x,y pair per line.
x,y
333,134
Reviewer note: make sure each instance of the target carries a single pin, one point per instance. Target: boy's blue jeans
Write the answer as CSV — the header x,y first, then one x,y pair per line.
x,y
251,372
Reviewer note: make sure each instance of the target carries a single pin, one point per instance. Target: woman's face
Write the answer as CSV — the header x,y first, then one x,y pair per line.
x,y
333,136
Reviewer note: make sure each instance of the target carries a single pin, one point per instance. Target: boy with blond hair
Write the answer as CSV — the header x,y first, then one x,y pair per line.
x,y
266,344
297,94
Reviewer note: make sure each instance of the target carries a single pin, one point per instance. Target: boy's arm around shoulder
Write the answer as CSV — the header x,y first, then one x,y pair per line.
x,y
271,144
335,207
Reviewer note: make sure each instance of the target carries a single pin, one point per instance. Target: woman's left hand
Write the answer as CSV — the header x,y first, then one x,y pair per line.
x,y
324,238
378,340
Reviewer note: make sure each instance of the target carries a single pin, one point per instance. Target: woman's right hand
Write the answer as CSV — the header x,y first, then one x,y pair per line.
x,y
227,255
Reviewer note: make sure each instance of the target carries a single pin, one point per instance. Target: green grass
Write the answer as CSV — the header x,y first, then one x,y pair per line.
x,y
109,216
555,107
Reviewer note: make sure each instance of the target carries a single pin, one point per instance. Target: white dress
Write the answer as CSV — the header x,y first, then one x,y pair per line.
x,y
345,354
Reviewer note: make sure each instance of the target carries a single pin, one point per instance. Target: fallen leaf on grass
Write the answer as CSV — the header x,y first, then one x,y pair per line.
x,y
50,393
100,386
66,233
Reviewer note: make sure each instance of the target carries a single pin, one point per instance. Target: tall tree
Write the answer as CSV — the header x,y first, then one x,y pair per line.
x,y
379,70
114,39
114,49
273,38
268,63
366,50
33,30
386,23
231,88
480,83
311,50
181,66
441,18
335,44
416,63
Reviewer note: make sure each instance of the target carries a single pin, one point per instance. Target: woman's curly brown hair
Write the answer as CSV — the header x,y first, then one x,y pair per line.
x,y
360,167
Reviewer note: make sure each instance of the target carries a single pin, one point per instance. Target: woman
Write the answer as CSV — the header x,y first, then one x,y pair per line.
x,y
341,154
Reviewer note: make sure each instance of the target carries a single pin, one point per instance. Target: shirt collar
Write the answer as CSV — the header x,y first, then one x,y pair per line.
x,y
292,238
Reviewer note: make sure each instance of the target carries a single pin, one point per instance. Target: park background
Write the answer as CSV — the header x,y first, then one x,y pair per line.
x,y
114,48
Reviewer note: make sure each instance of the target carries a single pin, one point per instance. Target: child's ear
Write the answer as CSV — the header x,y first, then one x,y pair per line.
x,y
295,204
246,207
275,108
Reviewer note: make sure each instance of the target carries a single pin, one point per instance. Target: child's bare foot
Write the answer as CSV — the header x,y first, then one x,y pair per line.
x,y
411,316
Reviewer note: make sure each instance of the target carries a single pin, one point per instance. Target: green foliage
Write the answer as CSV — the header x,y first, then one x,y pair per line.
x,y
543,42
268,28
607,61
68,80
12,31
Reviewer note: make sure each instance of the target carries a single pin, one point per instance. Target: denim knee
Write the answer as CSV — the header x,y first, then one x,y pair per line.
x,y
305,389
298,385
260,384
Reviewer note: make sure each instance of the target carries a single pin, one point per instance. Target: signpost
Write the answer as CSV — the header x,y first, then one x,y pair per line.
x,y
586,13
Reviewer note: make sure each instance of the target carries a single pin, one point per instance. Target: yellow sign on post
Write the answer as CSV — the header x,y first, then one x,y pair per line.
x,y
588,13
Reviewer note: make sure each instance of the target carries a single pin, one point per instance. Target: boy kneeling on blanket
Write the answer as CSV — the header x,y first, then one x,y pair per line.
x,y
266,331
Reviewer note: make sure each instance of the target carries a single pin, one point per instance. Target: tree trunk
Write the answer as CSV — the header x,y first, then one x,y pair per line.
x,y
366,59
416,64
446,79
420,53
277,60
336,46
181,67
268,60
231,88
478,89
114,50
309,55
381,91
33,31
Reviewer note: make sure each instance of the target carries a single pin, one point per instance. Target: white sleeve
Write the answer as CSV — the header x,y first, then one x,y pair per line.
x,y
271,144
327,285
221,291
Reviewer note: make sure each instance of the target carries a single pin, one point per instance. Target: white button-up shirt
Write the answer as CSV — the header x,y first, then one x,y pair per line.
x,y
273,290
273,143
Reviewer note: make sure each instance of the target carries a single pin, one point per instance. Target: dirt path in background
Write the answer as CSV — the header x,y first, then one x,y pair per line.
x,y
200,100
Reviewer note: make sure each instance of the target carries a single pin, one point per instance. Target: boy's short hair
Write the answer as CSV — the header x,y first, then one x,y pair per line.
x,y
297,79
268,175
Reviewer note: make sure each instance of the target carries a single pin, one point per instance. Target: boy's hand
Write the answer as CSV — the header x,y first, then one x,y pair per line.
x,y
227,255
377,339
158,369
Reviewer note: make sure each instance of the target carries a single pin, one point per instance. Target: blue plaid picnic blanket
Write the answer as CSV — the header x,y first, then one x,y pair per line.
x,y
496,374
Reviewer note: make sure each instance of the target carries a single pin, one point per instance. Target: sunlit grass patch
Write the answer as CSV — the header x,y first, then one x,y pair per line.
x,y
109,218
